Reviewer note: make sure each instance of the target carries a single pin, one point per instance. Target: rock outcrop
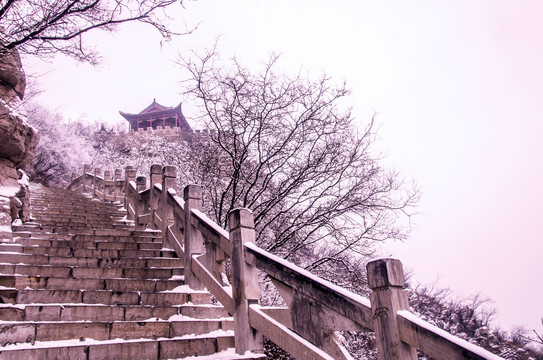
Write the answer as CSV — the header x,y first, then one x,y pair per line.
x,y
18,140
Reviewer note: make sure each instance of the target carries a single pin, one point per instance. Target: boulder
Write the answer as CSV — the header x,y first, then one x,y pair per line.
x,y
18,140
12,76
8,175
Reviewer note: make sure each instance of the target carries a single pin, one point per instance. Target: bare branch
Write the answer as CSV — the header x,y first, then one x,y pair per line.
x,y
295,159
43,27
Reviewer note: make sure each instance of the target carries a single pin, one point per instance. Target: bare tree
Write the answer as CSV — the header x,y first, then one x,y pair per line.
x,y
47,27
288,151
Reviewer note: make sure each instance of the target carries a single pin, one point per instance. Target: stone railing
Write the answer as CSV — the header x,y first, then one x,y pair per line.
x,y
315,308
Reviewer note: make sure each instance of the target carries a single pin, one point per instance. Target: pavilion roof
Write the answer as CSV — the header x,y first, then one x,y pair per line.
x,y
153,110
156,110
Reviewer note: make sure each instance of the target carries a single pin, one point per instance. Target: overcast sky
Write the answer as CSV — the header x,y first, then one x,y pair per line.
x,y
457,86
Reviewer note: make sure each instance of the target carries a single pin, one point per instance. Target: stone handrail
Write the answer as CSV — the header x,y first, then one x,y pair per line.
x,y
315,308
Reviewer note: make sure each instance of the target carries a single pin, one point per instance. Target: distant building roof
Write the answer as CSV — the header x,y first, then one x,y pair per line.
x,y
157,115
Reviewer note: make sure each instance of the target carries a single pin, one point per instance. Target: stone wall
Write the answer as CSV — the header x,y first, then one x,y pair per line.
x,y
18,142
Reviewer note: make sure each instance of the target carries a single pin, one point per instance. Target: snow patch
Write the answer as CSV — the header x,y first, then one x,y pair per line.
x,y
5,228
327,284
449,337
9,191
223,355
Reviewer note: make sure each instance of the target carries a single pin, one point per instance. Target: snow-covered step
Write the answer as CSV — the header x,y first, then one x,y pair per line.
x,y
106,297
79,244
90,272
90,349
100,312
79,270
32,331
67,283
114,259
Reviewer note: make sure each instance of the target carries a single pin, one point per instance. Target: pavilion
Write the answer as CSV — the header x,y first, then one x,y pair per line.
x,y
156,115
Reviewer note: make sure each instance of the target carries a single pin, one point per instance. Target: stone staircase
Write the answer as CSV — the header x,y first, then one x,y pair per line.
x,y
80,283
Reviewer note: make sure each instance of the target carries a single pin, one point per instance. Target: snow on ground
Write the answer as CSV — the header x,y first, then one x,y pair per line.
x,y
223,355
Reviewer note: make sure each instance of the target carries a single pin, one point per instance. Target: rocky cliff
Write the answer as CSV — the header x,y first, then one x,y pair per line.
x,y
18,142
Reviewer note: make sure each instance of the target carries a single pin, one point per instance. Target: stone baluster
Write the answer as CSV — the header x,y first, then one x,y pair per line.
x,y
129,175
245,290
96,181
117,189
139,206
169,181
108,188
87,180
386,279
155,177
194,243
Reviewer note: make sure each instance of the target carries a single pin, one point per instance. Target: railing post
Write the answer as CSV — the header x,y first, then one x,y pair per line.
x,y
194,243
169,181
95,185
107,189
117,191
155,177
129,175
86,183
386,279
141,182
245,289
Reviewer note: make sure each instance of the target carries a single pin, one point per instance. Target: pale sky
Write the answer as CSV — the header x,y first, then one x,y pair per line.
x,y
455,85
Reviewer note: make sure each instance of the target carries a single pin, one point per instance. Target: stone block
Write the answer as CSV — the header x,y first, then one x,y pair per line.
x,y
110,298
135,313
23,259
163,285
65,352
16,333
125,350
42,313
163,299
96,272
33,282
225,342
185,327
8,296
49,296
147,273
70,283
44,271
7,269
96,313
140,329
8,313
199,298
203,312
65,330
130,285
179,348
73,261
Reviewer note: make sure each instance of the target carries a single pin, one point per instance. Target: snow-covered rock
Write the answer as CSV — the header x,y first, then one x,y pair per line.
x,y
18,140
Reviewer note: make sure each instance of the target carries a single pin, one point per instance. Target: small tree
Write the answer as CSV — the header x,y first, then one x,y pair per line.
x,y
285,148
46,27
62,149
